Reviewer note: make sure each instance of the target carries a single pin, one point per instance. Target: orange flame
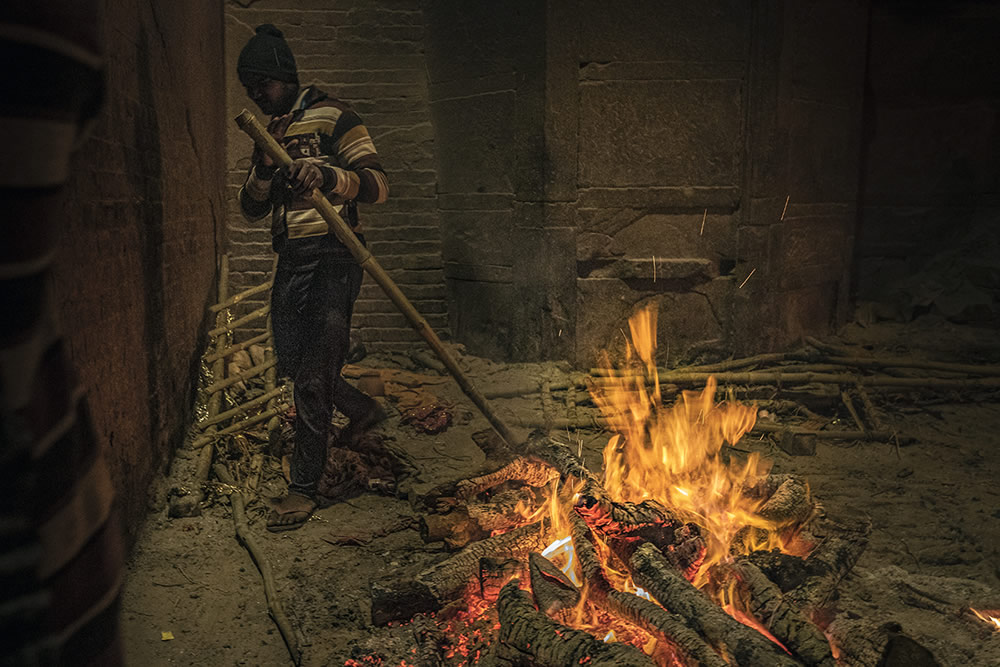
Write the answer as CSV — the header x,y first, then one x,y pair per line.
x,y
991,616
672,454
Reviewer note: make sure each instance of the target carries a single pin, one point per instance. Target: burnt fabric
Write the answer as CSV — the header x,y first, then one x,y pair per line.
x,y
311,305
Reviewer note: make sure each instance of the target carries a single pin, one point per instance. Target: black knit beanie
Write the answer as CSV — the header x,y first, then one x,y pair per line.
x,y
267,53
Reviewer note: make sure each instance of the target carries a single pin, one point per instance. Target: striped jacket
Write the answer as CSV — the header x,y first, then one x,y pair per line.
x,y
329,133
60,548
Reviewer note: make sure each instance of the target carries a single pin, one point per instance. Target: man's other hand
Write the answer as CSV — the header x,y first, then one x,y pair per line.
x,y
304,176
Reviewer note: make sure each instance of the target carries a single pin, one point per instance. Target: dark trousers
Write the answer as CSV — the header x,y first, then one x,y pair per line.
x,y
311,306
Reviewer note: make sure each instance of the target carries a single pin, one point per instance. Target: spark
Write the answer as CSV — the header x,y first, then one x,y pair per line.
x,y
747,278
654,268
705,215
786,207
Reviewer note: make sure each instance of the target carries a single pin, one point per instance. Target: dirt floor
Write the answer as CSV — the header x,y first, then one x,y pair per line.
x,y
934,504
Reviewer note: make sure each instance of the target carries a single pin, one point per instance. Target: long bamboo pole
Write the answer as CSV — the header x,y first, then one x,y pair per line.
x,y
249,124
253,371
271,376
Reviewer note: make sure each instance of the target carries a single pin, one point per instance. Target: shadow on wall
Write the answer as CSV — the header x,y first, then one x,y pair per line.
x,y
146,174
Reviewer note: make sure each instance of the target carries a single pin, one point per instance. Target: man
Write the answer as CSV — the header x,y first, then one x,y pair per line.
x,y
317,279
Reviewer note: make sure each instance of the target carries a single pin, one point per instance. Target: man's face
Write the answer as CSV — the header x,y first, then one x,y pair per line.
x,y
272,96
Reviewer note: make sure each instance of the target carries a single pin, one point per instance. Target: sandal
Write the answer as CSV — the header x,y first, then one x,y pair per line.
x,y
290,519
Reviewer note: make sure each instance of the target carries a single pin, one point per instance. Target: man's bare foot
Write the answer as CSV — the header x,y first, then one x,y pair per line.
x,y
290,512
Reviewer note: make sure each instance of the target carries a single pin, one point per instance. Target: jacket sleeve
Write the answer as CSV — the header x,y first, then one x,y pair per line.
x,y
361,177
255,195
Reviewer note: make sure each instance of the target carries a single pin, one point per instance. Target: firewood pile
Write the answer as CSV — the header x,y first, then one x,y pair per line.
x,y
775,595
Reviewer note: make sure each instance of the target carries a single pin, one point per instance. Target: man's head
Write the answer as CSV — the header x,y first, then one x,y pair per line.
x,y
266,68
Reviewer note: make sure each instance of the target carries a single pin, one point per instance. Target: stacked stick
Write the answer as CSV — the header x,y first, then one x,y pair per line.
x,y
219,423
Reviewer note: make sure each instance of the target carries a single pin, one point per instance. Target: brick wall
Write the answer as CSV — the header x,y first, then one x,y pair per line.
x,y
369,54
143,211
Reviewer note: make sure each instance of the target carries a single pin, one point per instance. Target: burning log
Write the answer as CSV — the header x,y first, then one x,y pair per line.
x,y
474,521
440,583
430,641
551,589
624,526
541,447
791,503
614,519
528,636
828,564
493,575
649,616
522,470
785,622
745,645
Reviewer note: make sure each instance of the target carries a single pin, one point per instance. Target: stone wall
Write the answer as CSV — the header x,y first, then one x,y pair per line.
x,y
597,157
143,220
931,174
370,54
505,228
796,236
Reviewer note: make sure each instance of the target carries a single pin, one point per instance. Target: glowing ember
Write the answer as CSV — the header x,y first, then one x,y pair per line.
x,y
671,454
991,616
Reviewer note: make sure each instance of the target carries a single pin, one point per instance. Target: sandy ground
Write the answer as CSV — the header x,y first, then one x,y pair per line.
x,y
934,505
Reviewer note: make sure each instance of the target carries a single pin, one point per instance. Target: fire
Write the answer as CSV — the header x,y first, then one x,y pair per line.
x,y
991,616
672,454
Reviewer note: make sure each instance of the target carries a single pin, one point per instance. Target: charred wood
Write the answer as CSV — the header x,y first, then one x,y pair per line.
x,y
784,570
764,601
745,646
791,503
529,637
430,641
474,521
831,561
446,496
649,616
493,574
551,589
442,582
452,575
540,447
522,470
